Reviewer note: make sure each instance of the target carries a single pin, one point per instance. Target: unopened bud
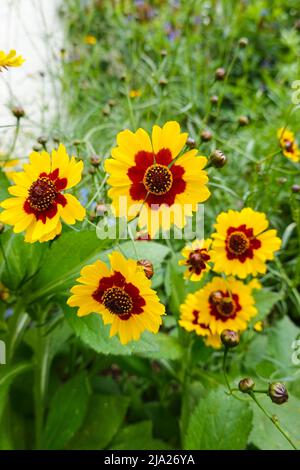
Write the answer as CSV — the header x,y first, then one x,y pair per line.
x,y
243,42
243,121
42,140
191,143
100,209
163,52
218,159
230,338
111,103
220,73
216,297
18,112
2,227
163,82
214,99
37,148
296,188
246,385
281,180
95,161
106,111
278,393
147,267
206,136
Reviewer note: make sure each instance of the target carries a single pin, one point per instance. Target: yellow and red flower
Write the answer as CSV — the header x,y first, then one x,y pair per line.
x,y
197,257
90,40
221,304
122,295
160,186
242,244
288,144
38,203
10,60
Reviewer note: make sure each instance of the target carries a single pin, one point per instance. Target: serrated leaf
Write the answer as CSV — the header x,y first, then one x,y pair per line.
x,y
68,408
104,417
219,422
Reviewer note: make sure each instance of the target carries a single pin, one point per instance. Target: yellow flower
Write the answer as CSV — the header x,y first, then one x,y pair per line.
x,y
197,257
288,144
150,180
10,60
258,327
135,93
91,40
242,244
191,320
122,295
38,203
222,304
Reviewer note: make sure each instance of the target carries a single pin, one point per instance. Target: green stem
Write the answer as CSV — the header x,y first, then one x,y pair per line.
x,y
224,370
13,145
17,325
273,419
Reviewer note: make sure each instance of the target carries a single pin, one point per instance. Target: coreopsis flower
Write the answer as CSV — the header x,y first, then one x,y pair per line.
x,y
191,320
39,202
288,144
223,304
90,40
134,93
10,60
197,258
152,181
242,244
121,294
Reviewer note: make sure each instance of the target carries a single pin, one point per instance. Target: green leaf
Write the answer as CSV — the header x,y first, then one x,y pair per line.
x,y
104,417
7,376
265,301
95,334
220,422
175,285
280,339
137,437
265,435
67,411
4,184
19,261
63,261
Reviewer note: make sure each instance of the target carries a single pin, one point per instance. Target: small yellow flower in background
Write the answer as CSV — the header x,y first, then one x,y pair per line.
x,y
4,292
91,40
160,186
197,257
288,144
242,244
122,295
135,93
38,202
258,327
223,304
10,60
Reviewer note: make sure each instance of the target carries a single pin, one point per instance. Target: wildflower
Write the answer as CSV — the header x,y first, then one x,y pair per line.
x,y
197,257
258,326
134,93
122,295
242,244
246,385
161,187
10,60
278,393
90,40
191,320
224,304
288,144
38,203
218,159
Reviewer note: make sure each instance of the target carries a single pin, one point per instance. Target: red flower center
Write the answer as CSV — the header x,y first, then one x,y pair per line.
x,y
119,297
197,260
240,243
224,305
42,194
117,301
158,179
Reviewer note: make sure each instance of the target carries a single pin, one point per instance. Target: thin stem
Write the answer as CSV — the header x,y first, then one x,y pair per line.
x,y
224,370
273,419
13,145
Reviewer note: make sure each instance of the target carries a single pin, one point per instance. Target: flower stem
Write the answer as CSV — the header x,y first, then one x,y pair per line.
x,y
224,370
273,419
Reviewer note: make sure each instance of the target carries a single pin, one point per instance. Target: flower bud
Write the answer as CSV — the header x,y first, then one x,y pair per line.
x,y
95,161
214,99
243,121
246,385
281,180
206,135
230,338
37,148
101,209
163,52
2,227
216,297
147,267
296,188
243,42
163,82
191,143
111,103
218,159
220,73
42,140
18,112
278,393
